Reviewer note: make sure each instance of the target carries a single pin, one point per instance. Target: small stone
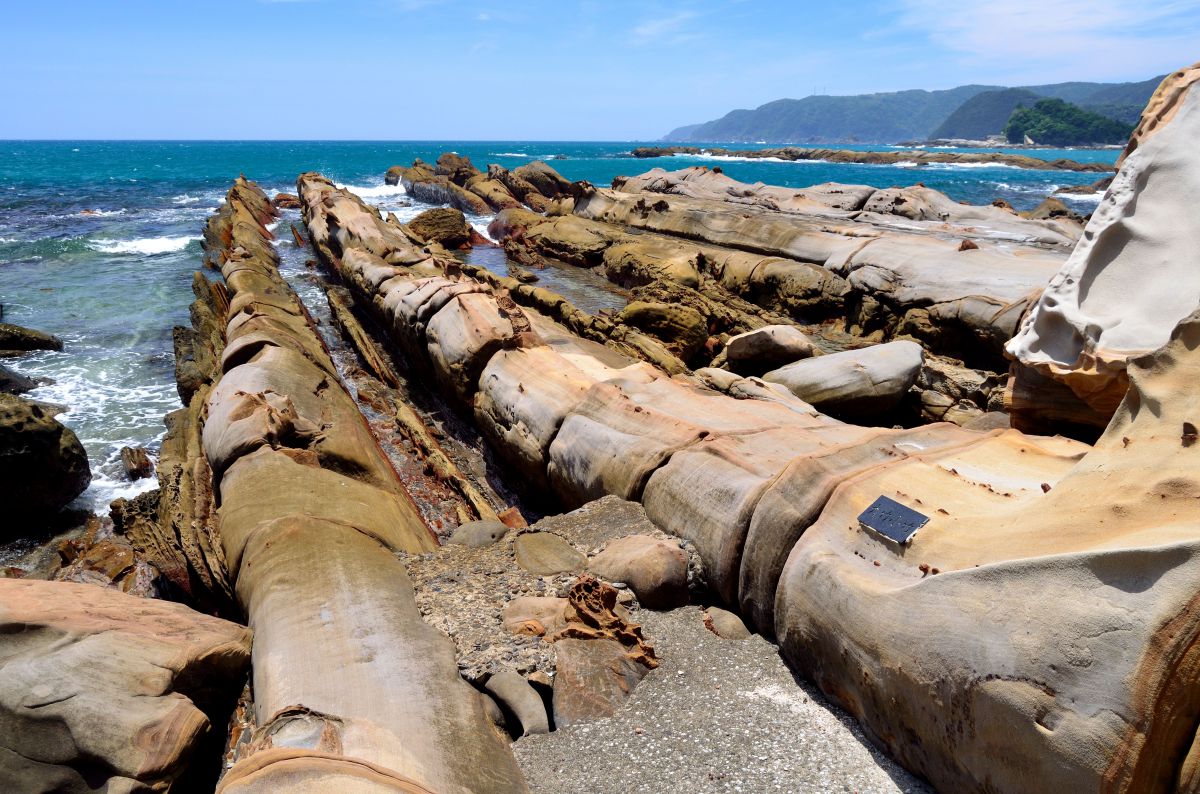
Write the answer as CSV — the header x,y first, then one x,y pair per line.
x,y
767,348
136,462
725,624
513,691
546,553
656,570
478,534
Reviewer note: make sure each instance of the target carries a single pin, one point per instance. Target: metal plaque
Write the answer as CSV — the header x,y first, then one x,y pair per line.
x,y
892,520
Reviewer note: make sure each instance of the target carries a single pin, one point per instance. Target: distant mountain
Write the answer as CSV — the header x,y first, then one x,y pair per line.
x,y
1059,123
984,114
896,116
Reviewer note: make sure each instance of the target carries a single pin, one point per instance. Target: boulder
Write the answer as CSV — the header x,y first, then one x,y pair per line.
x,y
544,179
477,534
547,553
136,462
767,348
286,201
514,693
14,382
655,570
536,616
42,464
455,167
861,384
88,674
1100,310
592,679
443,225
725,624
16,339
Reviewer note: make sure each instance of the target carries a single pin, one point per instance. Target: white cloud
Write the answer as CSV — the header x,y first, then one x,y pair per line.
x,y
669,29
1047,38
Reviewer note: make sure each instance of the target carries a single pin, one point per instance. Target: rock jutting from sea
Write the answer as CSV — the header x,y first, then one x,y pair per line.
x,y
915,156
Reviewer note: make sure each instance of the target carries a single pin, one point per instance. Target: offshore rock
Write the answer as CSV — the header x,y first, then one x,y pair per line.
x,y
87,674
1101,311
544,179
442,225
14,382
16,339
42,464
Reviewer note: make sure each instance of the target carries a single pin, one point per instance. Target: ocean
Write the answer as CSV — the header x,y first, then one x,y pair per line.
x,y
99,239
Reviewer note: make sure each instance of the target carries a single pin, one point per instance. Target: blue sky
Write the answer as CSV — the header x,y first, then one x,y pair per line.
x,y
617,70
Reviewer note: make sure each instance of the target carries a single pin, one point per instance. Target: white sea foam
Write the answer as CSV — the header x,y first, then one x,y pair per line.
x,y
147,246
972,165
184,198
733,158
907,164
9,240
102,213
509,154
1090,198
367,192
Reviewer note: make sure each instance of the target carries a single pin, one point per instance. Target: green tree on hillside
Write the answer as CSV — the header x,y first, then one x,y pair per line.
x,y
1058,123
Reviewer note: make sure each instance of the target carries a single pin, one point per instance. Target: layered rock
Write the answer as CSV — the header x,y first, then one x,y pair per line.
x,y
858,384
456,181
311,515
105,691
1101,310
1040,633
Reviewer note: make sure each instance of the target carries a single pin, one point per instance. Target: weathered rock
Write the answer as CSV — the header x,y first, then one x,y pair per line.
x,y
136,462
1100,310
767,348
16,339
422,183
592,680
544,179
42,464
642,261
725,624
442,225
88,673
863,383
681,328
286,201
14,382
515,693
477,534
536,616
546,553
493,191
455,167
656,570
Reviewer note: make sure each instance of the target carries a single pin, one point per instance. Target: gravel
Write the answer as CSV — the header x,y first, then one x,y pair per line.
x,y
716,716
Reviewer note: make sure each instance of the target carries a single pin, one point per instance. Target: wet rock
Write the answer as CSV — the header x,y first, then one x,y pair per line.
x,y
443,225
861,383
14,382
593,679
546,553
767,348
94,672
477,534
656,570
16,339
725,624
514,692
286,201
136,462
42,464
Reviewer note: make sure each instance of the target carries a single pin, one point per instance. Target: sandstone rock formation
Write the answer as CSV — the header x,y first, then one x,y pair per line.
x,y
1101,310
104,691
311,513
15,339
862,384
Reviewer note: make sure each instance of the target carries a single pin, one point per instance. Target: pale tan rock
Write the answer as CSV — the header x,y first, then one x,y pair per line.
x,y
725,624
535,615
655,570
767,348
522,700
860,383
547,553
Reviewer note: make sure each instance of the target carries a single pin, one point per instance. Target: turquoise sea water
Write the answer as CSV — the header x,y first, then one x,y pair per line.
x,y
98,241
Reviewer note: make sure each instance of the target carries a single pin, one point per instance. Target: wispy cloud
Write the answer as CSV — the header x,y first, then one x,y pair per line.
x,y
670,29
1035,36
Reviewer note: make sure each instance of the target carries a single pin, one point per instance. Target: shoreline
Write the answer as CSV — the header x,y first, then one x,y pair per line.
x,y
919,157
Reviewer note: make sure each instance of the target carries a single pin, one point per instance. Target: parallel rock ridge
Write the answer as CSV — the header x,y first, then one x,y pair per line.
x,y
352,691
1038,634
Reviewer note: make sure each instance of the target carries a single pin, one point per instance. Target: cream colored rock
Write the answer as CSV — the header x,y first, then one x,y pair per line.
x,y
767,348
1046,613
1131,279
462,338
860,383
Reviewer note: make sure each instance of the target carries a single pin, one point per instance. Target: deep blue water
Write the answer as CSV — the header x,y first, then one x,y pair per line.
x,y
98,241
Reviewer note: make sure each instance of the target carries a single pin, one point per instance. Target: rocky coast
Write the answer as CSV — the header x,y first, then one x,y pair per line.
x,y
914,156
426,525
